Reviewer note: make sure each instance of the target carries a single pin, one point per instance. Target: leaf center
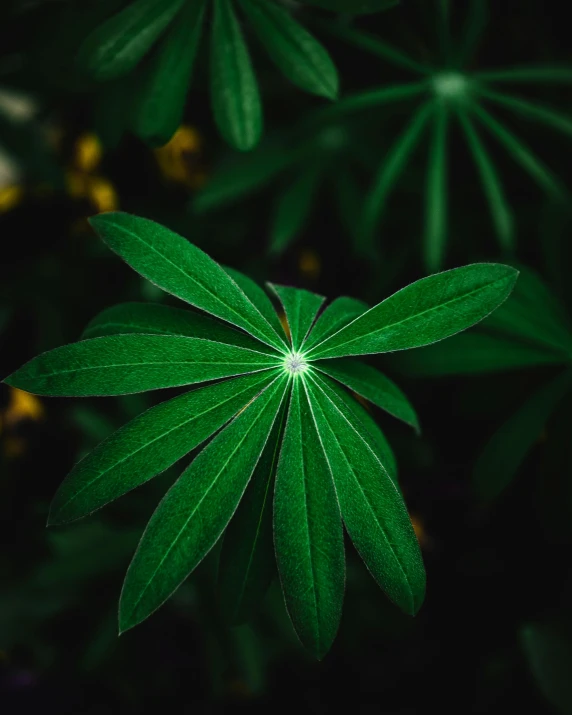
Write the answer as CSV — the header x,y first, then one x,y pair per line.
x,y
295,363
450,85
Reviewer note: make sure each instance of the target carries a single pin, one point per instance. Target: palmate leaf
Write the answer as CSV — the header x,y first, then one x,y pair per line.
x,y
195,511
428,310
150,444
282,428
308,530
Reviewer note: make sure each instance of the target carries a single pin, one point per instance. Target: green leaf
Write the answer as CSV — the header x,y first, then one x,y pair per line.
x,y
520,153
474,353
548,650
151,443
372,508
247,562
372,44
534,112
373,386
393,165
151,318
176,266
475,24
542,74
160,111
500,210
293,209
339,313
246,173
119,44
259,298
364,423
353,7
126,364
501,458
424,312
301,308
195,511
300,57
534,314
308,531
234,90
436,192
372,98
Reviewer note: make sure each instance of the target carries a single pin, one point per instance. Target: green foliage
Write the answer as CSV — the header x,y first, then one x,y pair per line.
x,y
530,329
145,51
448,92
280,425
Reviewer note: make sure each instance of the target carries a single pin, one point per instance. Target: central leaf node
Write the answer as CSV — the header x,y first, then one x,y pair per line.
x,y
450,85
295,363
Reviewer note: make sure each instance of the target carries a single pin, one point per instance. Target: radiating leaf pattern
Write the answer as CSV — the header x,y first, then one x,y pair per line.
x,y
290,455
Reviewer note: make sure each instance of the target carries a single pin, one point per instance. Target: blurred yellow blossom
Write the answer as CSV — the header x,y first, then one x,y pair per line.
x,y
309,264
179,161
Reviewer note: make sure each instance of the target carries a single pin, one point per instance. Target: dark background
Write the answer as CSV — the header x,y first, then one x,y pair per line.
x,y
491,569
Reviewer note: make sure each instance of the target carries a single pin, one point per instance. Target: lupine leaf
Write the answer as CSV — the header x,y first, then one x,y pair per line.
x,y
475,353
373,386
533,313
475,24
520,153
339,313
259,298
367,427
436,192
117,46
375,46
301,308
126,364
372,507
300,57
234,90
246,173
502,456
500,210
175,265
292,210
151,443
308,531
355,7
152,318
424,312
247,562
160,112
542,74
392,166
371,98
545,115
195,511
